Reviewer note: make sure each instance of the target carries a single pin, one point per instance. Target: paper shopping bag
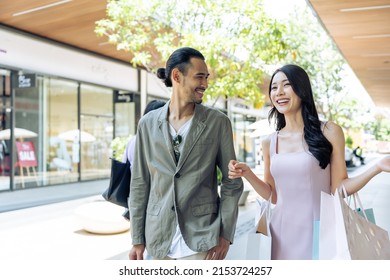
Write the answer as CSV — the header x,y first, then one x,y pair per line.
x,y
258,246
344,234
263,216
316,240
327,228
369,212
366,241
260,242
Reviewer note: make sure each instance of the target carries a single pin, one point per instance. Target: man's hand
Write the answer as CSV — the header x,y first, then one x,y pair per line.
x,y
219,252
137,252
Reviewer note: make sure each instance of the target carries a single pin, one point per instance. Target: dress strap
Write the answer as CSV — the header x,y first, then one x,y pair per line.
x,y
323,124
273,141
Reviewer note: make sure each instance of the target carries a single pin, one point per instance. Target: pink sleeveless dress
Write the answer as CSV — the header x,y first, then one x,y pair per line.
x,y
299,181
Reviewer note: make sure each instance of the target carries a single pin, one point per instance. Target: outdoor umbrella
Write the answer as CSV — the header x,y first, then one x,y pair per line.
x,y
20,133
73,135
261,128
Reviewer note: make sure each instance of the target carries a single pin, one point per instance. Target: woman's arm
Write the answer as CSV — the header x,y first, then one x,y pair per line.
x,y
338,168
356,183
241,169
268,179
339,174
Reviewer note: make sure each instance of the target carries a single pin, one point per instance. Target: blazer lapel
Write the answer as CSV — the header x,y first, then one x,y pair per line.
x,y
164,129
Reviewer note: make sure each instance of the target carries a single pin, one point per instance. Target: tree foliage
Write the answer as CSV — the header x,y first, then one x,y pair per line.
x,y
327,68
239,41
317,54
380,126
237,38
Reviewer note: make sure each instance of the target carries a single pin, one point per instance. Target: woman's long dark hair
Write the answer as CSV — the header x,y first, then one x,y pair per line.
x,y
180,58
319,146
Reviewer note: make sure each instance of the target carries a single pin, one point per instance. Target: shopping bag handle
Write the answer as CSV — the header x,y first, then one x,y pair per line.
x,y
356,201
267,206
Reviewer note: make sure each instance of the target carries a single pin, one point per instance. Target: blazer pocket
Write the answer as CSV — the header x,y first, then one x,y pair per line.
x,y
153,209
204,209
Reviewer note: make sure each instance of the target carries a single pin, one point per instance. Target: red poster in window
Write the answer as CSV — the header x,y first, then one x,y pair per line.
x,y
26,154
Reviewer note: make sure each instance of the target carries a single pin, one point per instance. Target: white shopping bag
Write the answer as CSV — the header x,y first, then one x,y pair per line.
x,y
260,242
327,236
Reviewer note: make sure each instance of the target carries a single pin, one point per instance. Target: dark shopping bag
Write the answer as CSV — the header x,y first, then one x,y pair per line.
x,y
119,187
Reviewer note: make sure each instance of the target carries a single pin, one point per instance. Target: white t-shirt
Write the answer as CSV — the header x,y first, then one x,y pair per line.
x,y
179,248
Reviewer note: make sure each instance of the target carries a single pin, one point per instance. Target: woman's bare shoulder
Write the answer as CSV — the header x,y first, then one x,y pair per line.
x,y
267,140
332,130
265,143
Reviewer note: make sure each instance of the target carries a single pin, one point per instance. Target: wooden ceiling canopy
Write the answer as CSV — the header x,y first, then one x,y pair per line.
x,y
65,21
360,29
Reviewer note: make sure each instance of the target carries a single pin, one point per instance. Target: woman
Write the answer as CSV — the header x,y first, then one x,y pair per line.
x,y
129,151
302,158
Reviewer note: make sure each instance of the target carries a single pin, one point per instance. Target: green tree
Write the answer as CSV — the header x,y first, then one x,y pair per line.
x,y
380,126
118,146
316,52
237,38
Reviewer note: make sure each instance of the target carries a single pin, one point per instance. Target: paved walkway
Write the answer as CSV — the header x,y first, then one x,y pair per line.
x,y
41,223
26,198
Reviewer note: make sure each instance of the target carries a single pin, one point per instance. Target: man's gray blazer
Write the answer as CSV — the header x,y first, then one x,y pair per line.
x,y
163,192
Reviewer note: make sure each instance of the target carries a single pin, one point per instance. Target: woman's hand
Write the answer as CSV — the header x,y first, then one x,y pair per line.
x,y
383,164
237,169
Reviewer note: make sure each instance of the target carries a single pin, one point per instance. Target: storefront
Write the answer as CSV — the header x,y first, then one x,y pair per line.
x,y
61,130
62,107
60,110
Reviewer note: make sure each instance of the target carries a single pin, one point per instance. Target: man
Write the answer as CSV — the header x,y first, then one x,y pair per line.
x,y
128,155
175,209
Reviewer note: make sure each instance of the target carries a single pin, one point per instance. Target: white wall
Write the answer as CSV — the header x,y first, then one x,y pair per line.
x,y
27,53
156,87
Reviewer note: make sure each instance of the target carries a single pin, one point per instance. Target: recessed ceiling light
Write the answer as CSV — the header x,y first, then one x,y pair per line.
x,y
371,36
380,78
365,8
41,8
378,68
376,54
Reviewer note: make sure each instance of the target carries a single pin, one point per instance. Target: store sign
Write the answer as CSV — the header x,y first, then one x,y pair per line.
x,y
123,97
26,81
26,154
